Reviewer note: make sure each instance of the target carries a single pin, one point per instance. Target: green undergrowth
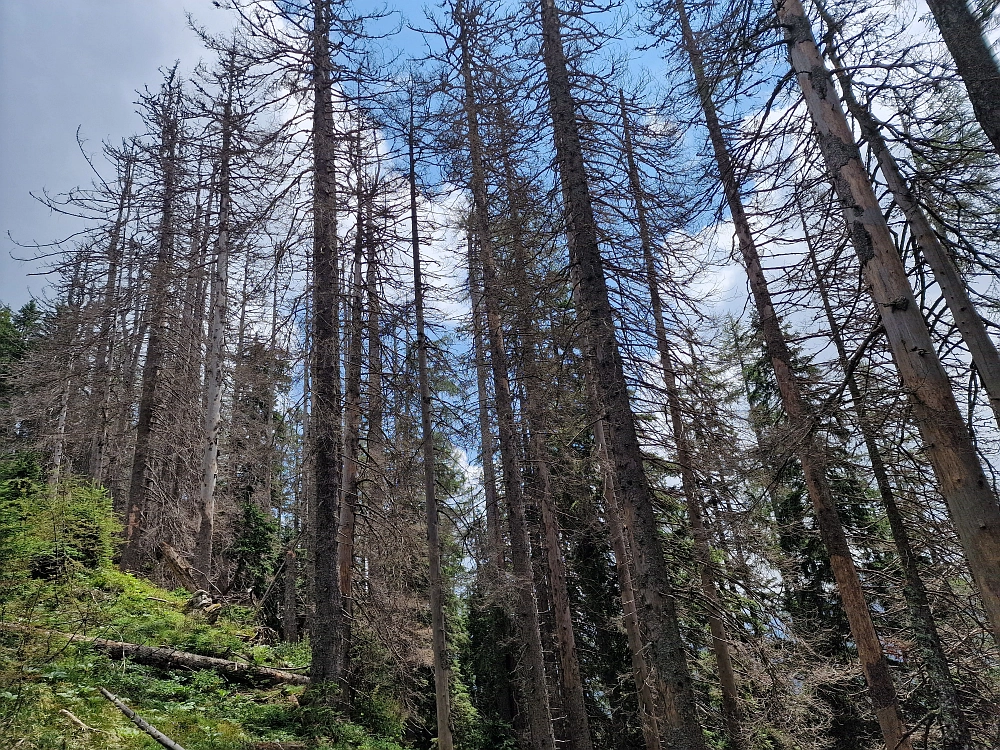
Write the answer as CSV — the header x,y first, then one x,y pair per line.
x,y
56,577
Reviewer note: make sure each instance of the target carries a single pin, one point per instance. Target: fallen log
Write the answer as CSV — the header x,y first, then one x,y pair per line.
x,y
166,657
140,722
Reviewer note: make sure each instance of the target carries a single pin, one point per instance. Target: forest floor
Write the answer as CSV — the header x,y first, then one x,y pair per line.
x,y
50,695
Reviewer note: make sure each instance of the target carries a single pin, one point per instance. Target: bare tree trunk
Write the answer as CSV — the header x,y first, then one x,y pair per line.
x,y
681,729
955,733
974,508
325,634
442,670
963,34
289,610
352,438
215,365
982,348
106,344
158,322
685,460
802,427
533,684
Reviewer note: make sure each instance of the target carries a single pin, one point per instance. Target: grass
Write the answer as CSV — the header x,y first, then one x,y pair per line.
x,y
42,677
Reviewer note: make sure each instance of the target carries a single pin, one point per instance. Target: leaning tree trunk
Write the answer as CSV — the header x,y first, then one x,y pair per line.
x,y
442,671
533,685
963,35
974,508
685,458
326,627
681,729
971,327
955,733
802,426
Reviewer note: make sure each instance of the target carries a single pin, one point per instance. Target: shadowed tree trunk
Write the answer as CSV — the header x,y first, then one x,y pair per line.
x,y
442,671
685,459
955,734
963,34
681,730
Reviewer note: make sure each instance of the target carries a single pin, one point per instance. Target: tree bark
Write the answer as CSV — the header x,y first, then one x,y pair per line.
x,y
442,670
533,685
216,351
802,427
685,459
963,35
327,412
158,322
955,733
970,325
974,508
681,729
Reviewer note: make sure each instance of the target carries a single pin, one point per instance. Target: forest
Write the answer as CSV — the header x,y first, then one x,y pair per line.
x,y
585,375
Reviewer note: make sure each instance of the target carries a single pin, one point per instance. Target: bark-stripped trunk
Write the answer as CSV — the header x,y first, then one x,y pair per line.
x,y
533,685
681,729
326,630
442,671
801,426
953,288
955,733
974,508
215,366
158,323
685,458
963,35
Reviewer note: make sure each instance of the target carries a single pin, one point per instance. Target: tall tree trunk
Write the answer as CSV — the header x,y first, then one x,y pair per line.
x,y
685,459
289,610
442,671
963,34
574,703
325,634
215,365
649,711
802,427
533,685
974,508
956,294
352,438
955,733
681,728
494,532
158,323
106,343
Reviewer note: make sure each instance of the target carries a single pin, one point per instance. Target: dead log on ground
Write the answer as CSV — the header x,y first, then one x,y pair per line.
x,y
166,657
144,725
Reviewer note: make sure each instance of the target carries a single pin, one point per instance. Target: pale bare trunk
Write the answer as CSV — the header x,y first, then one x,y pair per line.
x,y
215,364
